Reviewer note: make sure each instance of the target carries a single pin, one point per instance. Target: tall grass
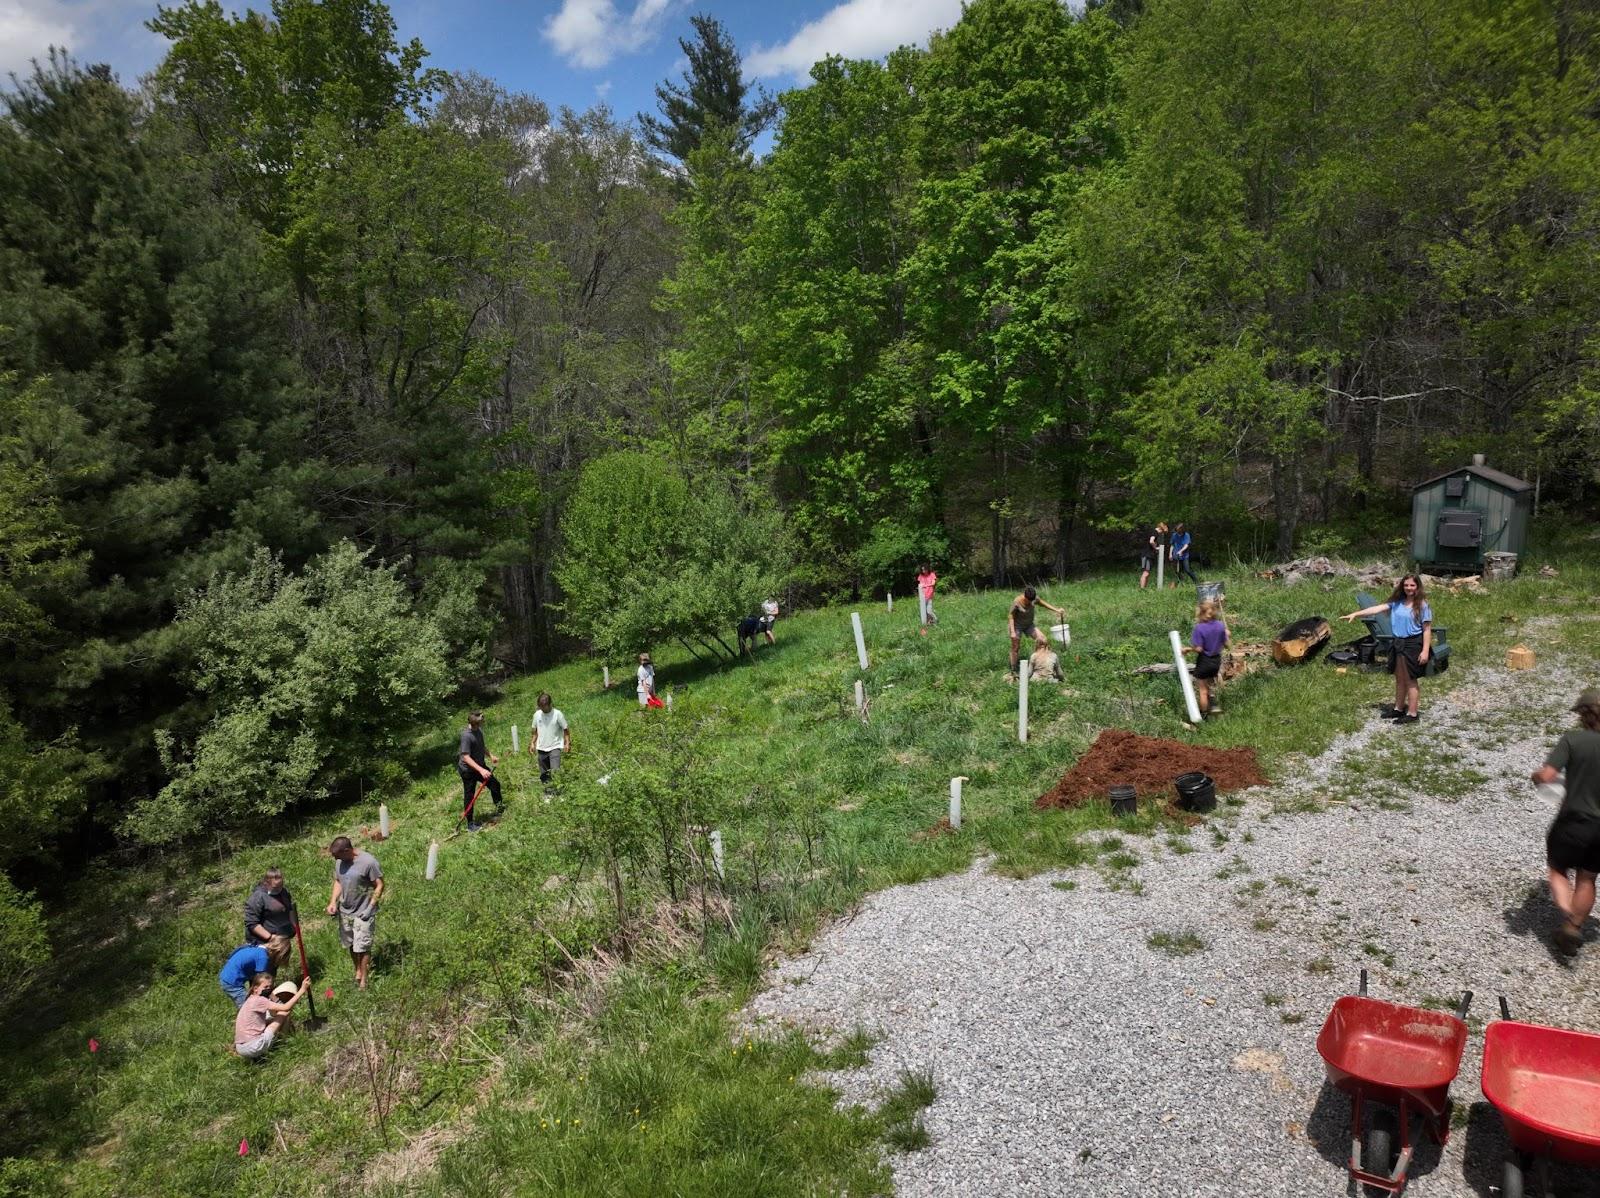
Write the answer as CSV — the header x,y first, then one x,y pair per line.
x,y
502,990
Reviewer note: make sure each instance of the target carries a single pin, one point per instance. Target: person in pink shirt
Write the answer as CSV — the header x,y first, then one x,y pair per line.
x,y
260,1019
926,579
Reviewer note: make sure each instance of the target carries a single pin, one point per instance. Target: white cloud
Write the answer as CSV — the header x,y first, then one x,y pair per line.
x,y
28,30
855,29
603,88
590,33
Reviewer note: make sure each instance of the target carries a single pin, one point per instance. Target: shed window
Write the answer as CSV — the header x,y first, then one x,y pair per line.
x,y
1455,488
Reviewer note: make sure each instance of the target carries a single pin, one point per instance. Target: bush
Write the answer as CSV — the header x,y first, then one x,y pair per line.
x,y
312,681
894,550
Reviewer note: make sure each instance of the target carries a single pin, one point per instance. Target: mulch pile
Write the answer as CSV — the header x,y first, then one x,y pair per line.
x,y
1149,764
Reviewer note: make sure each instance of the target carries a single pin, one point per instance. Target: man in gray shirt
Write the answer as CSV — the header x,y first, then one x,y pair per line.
x,y
357,890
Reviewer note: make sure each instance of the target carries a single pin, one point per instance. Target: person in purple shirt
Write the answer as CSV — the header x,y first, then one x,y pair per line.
x,y
1207,640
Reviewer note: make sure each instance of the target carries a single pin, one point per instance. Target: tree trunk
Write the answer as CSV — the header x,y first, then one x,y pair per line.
x,y
1286,502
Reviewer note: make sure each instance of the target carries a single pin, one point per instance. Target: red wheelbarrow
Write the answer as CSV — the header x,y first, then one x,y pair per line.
x,y
1402,1057
1545,1082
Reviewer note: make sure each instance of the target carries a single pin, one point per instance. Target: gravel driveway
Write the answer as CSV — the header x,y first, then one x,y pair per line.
x,y
1071,1056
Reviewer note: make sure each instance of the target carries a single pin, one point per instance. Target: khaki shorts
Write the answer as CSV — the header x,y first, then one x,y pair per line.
x,y
355,933
251,1049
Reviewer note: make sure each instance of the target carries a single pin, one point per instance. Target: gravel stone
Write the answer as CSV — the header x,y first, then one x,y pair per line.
x,y
1071,1056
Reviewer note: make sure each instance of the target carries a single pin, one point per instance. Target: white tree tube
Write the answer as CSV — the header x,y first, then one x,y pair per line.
x,y
955,801
605,677
383,820
716,853
1024,668
433,859
1184,679
861,697
891,600
669,700
861,641
1161,561
516,745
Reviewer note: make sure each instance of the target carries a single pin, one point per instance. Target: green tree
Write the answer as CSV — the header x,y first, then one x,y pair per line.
x,y
713,95
310,680
647,557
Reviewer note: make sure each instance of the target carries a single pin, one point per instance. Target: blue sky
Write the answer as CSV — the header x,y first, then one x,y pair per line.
x,y
566,52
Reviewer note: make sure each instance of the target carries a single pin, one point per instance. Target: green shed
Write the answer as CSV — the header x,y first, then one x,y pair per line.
x,y
1459,516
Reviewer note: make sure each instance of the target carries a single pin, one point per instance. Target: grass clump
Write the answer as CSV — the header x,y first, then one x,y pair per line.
x,y
901,1112
1176,944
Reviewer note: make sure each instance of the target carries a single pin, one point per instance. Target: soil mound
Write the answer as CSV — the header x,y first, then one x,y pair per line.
x,y
1149,764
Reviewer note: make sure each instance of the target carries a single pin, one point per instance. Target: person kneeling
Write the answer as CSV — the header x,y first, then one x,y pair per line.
x,y
1044,664
261,1018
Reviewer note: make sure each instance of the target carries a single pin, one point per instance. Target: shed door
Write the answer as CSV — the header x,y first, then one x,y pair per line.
x,y
1460,529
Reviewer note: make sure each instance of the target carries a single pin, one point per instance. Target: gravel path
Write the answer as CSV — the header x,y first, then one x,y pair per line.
x,y
1071,1056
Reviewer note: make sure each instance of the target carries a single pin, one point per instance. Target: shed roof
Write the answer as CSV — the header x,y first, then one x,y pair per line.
x,y
1496,477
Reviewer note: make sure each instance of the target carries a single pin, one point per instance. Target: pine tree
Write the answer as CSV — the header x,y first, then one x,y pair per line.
x,y
713,92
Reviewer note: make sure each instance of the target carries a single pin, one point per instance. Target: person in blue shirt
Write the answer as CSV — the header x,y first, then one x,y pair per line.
x,y
1411,620
1181,542
242,966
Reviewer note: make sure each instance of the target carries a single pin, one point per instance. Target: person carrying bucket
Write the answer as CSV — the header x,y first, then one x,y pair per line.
x,y
1572,846
1020,623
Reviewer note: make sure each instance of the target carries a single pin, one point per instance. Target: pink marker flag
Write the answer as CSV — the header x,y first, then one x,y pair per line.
x,y
328,993
94,1045
244,1147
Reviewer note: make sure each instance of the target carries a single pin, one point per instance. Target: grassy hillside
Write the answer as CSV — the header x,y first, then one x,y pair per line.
x,y
517,1038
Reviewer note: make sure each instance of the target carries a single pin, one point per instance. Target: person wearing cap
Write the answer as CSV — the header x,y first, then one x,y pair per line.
x,y
1572,846
261,1018
244,964
647,680
357,890
270,917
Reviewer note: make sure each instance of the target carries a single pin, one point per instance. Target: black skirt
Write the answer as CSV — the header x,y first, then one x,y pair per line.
x,y
1410,648
1207,666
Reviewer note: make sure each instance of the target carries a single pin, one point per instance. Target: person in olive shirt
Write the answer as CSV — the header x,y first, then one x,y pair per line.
x,y
1572,845
270,917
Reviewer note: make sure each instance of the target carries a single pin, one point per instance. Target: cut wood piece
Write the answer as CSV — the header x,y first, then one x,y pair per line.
x,y
1301,640
1519,657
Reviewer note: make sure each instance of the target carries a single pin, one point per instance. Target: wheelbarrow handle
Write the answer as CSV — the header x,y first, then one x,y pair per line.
x,y
1466,1001
1363,990
1505,1011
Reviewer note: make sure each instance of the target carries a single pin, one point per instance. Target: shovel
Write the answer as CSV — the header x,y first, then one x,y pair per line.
x,y
467,814
305,973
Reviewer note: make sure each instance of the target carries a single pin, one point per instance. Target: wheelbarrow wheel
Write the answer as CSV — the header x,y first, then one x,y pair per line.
x,y
1378,1154
1511,1182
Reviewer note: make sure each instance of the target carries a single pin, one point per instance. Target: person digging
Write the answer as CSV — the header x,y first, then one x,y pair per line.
x,y
262,1018
1572,846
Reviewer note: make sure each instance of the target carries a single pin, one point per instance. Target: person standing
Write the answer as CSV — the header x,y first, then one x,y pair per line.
x,y
357,891
1411,622
243,965
260,1018
551,737
1150,551
1208,639
1182,544
270,917
1021,621
926,581
473,764
646,686
1572,846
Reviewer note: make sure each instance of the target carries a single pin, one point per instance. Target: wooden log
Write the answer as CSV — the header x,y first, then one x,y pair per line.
x,y
1300,641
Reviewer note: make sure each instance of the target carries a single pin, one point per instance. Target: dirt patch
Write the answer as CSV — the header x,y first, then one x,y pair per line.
x,y
1148,764
940,828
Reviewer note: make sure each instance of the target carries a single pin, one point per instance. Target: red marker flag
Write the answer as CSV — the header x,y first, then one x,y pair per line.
x,y
244,1147
328,993
94,1045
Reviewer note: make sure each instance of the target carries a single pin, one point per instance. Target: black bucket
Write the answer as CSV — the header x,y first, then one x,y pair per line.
x,y
1124,800
1196,792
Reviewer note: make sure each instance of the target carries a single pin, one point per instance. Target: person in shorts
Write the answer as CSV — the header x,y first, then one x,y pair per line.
x,y
261,1018
244,964
1151,547
1020,622
551,737
1207,641
357,890
1572,846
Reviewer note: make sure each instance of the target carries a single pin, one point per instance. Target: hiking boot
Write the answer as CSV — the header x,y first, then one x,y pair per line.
x,y
1402,718
1569,939
1387,712
472,827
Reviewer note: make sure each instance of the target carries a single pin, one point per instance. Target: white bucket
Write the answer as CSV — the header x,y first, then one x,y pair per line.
x,y
1062,633
1551,792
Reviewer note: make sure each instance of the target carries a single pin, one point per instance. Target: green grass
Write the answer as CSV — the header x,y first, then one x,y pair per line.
x,y
1177,944
505,994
